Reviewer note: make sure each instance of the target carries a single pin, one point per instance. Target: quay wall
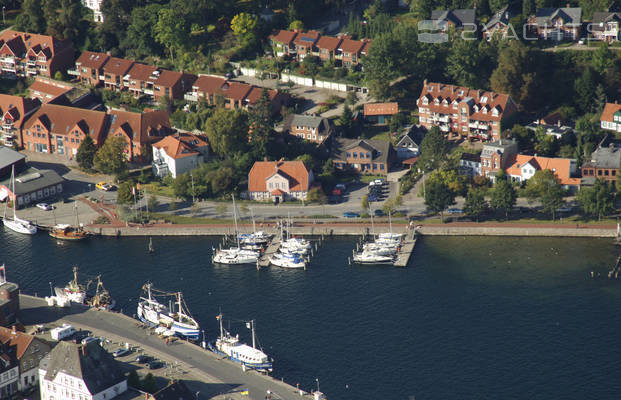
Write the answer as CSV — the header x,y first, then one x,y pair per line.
x,y
343,229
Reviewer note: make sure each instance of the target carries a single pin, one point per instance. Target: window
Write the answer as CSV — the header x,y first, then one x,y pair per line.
x,y
606,173
614,172
382,167
348,154
599,173
355,155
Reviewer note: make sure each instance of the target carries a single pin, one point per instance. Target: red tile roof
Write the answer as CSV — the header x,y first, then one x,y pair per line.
x,y
168,78
31,40
609,110
90,59
180,145
351,46
141,72
560,166
208,84
118,66
18,339
295,171
306,38
139,127
17,106
235,90
50,87
60,119
283,36
381,109
329,43
255,94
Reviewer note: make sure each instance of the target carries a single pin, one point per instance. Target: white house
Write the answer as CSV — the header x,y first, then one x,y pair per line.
x,y
178,153
80,372
95,6
9,374
470,164
407,146
279,180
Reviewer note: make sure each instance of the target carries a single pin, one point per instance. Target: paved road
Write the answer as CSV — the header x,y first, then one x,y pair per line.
x,y
217,376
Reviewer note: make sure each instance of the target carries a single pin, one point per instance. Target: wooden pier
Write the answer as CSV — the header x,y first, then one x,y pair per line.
x,y
264,260
403,257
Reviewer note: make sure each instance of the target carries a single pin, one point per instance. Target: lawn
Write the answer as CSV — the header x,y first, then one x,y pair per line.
x,y
181,220
159,189
375,132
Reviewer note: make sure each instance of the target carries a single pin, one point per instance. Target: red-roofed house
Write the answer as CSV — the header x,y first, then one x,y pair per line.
x,y
282,42
29,350
279,180
464,111
611,117
380,113
29,54
60,129
115,71
139,130
328,47
179,153
349,51
46,90
172,84
305,43
524,167
14,111
89,67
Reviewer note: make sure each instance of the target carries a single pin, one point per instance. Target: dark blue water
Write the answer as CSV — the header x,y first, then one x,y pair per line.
x,y
475,318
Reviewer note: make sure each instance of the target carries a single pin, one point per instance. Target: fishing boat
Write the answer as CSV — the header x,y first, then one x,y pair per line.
x,y
175,318
249,357
235,255
73,291
284,260
15,223
68,232
77,292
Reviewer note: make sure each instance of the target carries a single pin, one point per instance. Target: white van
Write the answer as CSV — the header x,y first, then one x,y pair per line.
x,y
62,332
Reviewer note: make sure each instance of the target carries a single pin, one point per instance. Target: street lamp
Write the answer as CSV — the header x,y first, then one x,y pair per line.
x,y
193,195
51,291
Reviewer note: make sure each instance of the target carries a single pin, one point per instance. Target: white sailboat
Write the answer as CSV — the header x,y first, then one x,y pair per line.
x,y
367,257
288,260
249,357
179,321
15,223
235,255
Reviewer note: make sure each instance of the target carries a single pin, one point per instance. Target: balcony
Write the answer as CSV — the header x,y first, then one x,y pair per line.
x,y
190,97
161,168
444,119
148,91
444,128
9,60
73,72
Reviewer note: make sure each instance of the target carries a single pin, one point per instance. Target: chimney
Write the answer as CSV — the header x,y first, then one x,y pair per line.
x,y
478,93
558,123
265,159
452,89
425,83
14,330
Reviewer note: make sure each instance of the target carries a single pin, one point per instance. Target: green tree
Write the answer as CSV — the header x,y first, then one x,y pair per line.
x,y
31,18
516,75
346,120
503,196
545,187
243,25
261,123
463,63
364,204
296,25
133,379
110,158
86,153
172,30
152,203
316,195
597,200
602,58
227,131
149,384
438,196
585,87
433,149
125,192
475,203
140,38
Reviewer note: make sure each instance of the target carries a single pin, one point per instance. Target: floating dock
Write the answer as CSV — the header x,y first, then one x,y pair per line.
x,y
407,248
264,260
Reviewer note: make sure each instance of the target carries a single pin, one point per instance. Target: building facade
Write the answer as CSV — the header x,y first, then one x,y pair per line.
x,y
556,23
603,164
279,180
32,186
605,26
14,111
611,117
524,167
139,130
95,7
80,372
178,154
496,156
29,350
308,127
462,111
499,25
380,113
365,156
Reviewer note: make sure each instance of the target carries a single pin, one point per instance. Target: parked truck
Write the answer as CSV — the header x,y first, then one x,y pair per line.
x,y
62,332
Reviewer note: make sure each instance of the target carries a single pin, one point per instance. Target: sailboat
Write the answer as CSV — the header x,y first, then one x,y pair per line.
x,y
235,255
16,224
68,232
180,321
249,357
255,240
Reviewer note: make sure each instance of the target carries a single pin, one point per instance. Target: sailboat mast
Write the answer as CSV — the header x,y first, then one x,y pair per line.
x,y
372,223
254,227
235,218
180,311
14,196
221,329
253,339
77,219
390,223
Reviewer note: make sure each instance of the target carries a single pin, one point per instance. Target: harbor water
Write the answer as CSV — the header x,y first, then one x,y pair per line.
x,y
469,318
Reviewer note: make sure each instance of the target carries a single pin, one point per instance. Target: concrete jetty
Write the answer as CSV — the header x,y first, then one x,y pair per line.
x,y
405,253
214,375
264,260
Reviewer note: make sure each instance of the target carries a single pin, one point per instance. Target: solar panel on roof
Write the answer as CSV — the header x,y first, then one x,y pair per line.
x,y
307,39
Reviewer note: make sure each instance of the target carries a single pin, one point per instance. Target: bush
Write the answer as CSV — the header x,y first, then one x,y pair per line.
x,y
101,220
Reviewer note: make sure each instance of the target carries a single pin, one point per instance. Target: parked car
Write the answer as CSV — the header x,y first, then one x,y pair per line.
x,y
372,197
155,364
106,187
120,353
340,186
379,181
141,359
89,339
350,214
379,213
45,206
455,211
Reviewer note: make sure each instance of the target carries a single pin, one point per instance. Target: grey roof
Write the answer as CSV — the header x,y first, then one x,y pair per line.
x,y
572,16
33,179
408,139
9,156
175,391
458,17
502,16
499,146
305,120
90,363
471,157
606,157
380,148
602,17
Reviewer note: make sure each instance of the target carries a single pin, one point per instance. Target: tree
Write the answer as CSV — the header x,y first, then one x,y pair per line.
x,y
296,25
597,200
475,204
545,187
463,63
503,196
316,195
86,153
346,120
585,87
602,58
364,204
227,131
133,379
149,384
260,120
152,203
31,18
433,149
527,7
172,30
110,158
438,197
243,25
140,37
516,75
125,192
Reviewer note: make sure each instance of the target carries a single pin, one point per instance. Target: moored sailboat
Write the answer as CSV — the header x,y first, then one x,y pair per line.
x,y
68,232
15,223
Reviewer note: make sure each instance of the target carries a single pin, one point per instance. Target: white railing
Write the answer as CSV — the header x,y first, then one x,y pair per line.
x,y
74,72
148,91
190,97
